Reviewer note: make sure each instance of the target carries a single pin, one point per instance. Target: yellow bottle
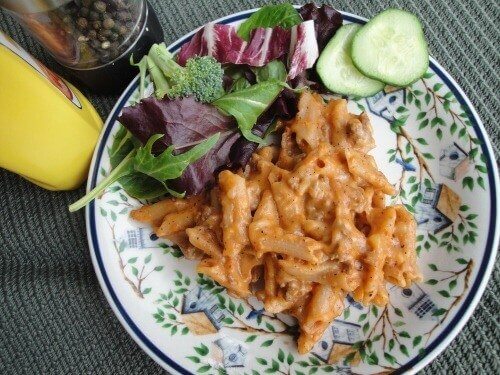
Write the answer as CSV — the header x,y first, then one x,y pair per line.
x,y
48,129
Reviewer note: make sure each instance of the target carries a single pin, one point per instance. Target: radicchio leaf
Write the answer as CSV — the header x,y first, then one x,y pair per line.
x,y
184,123
222,42
303,48
326,21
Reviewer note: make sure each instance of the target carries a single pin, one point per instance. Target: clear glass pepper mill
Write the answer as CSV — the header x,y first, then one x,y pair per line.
x,y
92,38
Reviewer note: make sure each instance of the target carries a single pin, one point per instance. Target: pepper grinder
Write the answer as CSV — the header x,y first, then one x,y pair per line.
x,y
92,39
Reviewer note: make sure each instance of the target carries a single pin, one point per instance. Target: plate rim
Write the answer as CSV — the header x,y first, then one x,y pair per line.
x,y
415,364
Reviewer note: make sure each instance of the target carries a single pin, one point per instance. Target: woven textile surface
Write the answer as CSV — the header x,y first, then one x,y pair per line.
x,y
53,315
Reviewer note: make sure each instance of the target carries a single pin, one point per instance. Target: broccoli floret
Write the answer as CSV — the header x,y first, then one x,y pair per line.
x,y
201,77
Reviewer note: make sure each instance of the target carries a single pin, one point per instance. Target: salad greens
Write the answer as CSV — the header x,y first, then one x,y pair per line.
x,y
326,21
281,15
223,43
251,101
141,160
135,184
141,186
224,91
168,166
248,104
122,144
184,122
274,70
239,84
143,67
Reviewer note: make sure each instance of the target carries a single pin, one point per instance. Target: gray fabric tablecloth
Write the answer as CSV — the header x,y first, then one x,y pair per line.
x,y
53,315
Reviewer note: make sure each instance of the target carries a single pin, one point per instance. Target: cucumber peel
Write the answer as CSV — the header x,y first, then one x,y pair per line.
x,y
337,71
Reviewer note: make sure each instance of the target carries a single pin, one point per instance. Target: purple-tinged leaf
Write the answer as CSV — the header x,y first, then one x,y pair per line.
x,y
184,123
326,21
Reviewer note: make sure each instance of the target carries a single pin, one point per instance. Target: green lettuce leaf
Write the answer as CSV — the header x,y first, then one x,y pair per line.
x,y
273,70
124,168
168,166
121,146
239,84
282,15
141,186
248,104
144,175
143,66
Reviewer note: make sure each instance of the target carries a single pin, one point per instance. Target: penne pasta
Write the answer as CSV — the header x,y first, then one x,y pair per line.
x,y
205,240
236,213
326,304
177,221
153,214
303,225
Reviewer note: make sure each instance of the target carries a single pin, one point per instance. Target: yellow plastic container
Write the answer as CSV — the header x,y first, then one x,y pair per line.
x,y
48,129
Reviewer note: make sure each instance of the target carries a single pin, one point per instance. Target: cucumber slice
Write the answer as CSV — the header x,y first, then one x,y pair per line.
x,y
336,70
391,48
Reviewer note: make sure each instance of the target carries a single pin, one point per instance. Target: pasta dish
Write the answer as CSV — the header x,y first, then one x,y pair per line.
x,y
303,225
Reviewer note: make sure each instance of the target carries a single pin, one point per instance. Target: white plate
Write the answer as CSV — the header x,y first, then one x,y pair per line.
x,y
189,325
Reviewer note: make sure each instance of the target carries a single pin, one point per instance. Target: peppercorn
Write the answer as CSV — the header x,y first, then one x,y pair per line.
x,y
93,15
105,56
114,50
124,15
92,34
100,6
82,23
108,23
105,32
103,29
84,12
122,30
120,4
95,44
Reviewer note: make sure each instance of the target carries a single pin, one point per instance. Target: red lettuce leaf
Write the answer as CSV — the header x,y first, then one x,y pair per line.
x,y
184,122
222,42
326,21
